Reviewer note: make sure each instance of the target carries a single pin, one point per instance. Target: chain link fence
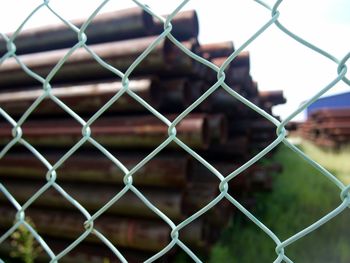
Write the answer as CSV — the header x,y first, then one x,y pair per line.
x,y
281,245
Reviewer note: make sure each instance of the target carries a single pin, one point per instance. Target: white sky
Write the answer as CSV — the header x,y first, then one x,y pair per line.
x,y
277,61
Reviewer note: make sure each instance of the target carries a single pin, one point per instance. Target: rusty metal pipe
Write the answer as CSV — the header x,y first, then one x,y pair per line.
x,y
165,59
233,148
84,253
242,60
185,25
200,193
83,98
170,95
251,126
170,202
176,93
254,179
272,97
162,171
122,132
236,72
239,75
221,101
217,124
176,204
216,50
124,232
330,113
105,27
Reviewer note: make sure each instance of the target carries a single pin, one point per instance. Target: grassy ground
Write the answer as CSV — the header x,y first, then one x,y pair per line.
x,y
337,162
301,196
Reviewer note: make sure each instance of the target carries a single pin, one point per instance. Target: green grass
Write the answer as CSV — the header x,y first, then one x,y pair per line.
x,y
335,161
300,197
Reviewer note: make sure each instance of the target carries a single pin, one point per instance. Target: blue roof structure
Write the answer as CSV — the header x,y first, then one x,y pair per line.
x,y
341,100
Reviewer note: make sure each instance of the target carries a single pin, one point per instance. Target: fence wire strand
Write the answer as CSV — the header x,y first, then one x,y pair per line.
x,y
86,137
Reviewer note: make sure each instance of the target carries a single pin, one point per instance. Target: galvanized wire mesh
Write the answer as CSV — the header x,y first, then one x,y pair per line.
x,y
128,174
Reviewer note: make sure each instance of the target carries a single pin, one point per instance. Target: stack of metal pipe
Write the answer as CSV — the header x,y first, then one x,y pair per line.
x,y
327,127
221,129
